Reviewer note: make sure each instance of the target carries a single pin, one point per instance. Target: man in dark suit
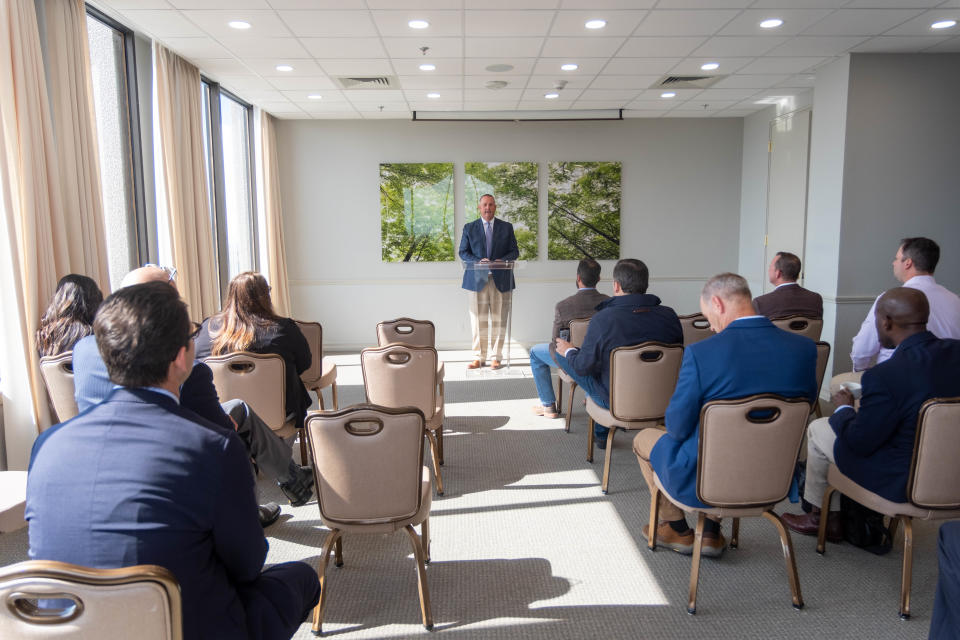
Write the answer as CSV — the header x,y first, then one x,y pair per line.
x,y
788,298
582,304
488,240
630,317
874,446
945,620
749,355
138,479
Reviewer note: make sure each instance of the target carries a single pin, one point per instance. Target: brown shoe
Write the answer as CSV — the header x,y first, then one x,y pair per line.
x,y
495,364
666,537
808,524
548,411
476,364
713,545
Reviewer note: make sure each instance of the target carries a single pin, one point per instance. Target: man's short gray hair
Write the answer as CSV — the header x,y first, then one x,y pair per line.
x,y
726,286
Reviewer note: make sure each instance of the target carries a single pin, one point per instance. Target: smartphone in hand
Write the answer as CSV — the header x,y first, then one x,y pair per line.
x,y
565,334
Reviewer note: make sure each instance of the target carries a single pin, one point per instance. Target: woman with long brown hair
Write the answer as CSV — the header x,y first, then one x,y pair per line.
x,y
69,316
248,323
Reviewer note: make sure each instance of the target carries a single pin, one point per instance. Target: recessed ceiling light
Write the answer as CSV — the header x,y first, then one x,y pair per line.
x,y
595,24
239,24
283,67
771,23
569,67
710,66
418,24
499,68
426,66
944,24
315,96
553,95
433,96
668,94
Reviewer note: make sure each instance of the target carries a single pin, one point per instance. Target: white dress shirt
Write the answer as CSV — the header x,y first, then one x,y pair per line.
x,y
944,322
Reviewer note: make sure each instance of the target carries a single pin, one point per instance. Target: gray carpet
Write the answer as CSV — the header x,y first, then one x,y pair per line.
x,y
526,546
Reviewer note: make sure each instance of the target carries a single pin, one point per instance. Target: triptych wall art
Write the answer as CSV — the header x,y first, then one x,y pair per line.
x,y
583,205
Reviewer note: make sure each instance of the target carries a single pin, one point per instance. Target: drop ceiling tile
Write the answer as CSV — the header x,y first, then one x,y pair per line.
x,y
893,4
290,116
794,22
411,67
480,82
735,46
287,48
386,107
329,98
920,25
544,82
220,4
508,47
267,67
607,4
379,96
747,81
344,115
436,105
581,47
599,104
682,95
705,105
437,47
356,67
639,66
542,104
201,47
679,113
947,46
478,66
259,96
294,5
163,24
332,24
736,113
704,4
734,95
644,113
442,23
684,23
659,47
799,80
413,4
386,115
263,24
280,107
691,66
222,66
487,95
897,44
332,48
817,45
508,23
585,66
797,4
474,105
624,82
651,105
781,65
861,22
319,84
424,83
507,4
619,23
126,5
615,95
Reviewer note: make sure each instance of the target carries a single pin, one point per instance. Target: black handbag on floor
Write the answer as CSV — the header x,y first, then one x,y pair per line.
x,y
863,527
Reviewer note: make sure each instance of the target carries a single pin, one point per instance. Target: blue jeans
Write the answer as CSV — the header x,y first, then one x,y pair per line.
x,y
592,387
540,365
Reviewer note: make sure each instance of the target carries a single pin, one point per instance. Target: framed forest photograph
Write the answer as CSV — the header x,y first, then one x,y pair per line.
x,y
514,186
583,217
416,212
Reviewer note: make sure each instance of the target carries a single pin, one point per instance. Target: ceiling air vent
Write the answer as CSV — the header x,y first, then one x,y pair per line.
x,y
687,82
368,82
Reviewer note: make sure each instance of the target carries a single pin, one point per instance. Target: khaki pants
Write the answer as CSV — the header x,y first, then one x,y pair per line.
x,y
642,446
820,441
494,304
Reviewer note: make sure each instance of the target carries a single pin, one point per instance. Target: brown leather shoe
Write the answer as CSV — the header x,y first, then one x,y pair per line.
x,y
808,524
495,364
682,543
548,411
476,364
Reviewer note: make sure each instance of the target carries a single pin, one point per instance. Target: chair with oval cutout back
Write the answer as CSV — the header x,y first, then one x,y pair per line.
x,y
578,331
695,327
802,325
57,374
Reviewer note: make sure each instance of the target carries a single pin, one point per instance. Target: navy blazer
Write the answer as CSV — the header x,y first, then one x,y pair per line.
x,y
473,248
750,356
875,444
138,479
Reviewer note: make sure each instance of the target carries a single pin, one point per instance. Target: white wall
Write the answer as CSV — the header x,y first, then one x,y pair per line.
x,y
680,214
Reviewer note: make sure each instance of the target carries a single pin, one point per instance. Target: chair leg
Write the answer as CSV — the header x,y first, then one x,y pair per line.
x,y
425,539
907,575
573,387
320,398
336,403
607,460
436,461
338,552
894,523
695,564
440,443
559,394
788,557
304,458
735,534
824,512
421,577
654,519
590,441
322,572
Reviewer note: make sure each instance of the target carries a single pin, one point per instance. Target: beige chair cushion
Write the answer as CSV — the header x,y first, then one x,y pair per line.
x,y
13,500
416,333
695,328
936,474
57,373
642,380
259,380
564,376
867,498
399,375
426,502
328,377
604,417
720,512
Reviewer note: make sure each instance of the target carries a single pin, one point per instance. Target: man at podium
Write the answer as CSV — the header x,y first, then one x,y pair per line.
x,y
488,240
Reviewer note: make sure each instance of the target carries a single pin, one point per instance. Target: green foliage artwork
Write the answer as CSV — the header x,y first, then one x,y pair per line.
x,y
584,210
514,185
416,212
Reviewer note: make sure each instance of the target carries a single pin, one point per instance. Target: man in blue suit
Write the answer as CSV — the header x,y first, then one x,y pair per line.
x,y
488,239
749,355
138,479
874,446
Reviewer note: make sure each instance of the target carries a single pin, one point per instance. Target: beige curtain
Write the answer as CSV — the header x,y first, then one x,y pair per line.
x,y
71,98
275,264
179,115
33,245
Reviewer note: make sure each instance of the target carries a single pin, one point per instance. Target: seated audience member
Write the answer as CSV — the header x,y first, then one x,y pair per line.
x,y
913,265
874,446
138,479
69,316
271,453
749,355
788,298
582,304
630,317
945,621
248,323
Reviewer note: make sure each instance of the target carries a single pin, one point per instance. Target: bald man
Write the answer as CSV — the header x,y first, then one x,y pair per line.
x,y
873,446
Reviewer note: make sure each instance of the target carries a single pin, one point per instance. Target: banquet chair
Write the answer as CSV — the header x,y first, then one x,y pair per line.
x,y
578,331
803,325
321,374
695,328
57,374
417,333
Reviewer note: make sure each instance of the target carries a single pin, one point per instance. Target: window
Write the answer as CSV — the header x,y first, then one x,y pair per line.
x,y
112,70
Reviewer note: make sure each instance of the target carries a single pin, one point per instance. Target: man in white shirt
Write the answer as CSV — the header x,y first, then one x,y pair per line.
x,y
913,265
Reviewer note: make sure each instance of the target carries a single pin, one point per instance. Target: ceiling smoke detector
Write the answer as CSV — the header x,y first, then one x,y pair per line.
x,y
496,84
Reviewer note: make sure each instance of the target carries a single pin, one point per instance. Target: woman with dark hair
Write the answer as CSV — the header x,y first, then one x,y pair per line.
x,y
69,316
248,323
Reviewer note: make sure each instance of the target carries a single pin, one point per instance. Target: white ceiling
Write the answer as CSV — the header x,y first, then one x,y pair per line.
x,y
618,65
